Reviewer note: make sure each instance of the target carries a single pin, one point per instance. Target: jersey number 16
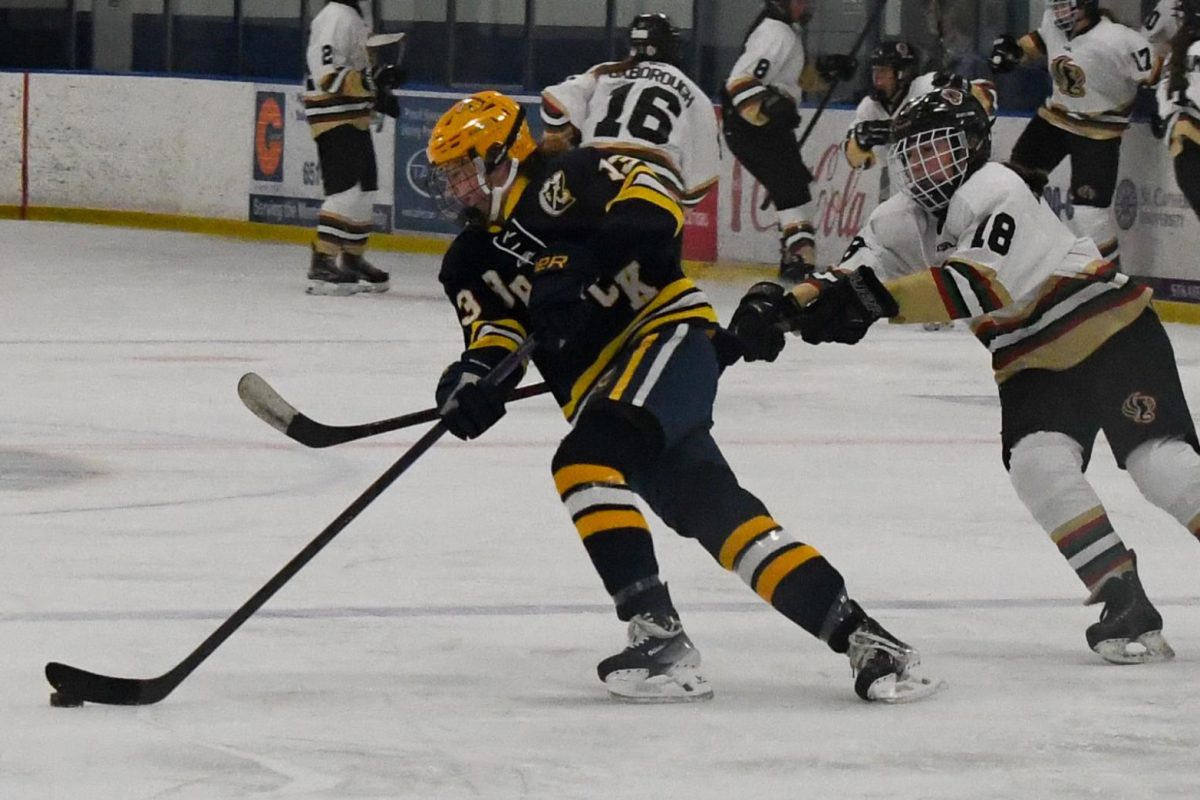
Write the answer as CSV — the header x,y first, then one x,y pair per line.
x,y
653,116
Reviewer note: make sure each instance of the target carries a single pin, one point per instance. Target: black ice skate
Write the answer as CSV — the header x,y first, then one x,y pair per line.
x,y
1130,627
882,665
660,665
371,278
326,278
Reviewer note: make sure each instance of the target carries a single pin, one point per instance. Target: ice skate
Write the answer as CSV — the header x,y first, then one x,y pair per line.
x,y
325,278
370,278
1130,627
660,665
882,665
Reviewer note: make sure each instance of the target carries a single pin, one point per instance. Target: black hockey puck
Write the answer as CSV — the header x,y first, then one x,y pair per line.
x,y
60,700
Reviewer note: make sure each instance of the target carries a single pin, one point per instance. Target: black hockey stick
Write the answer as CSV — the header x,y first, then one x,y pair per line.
x,y
271,408
75,686
862,35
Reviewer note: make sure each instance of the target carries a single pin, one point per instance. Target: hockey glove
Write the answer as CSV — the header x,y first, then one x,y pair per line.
x,y
836,67
1006,53
845,309
780,109
387,103
467,406
389,76
872,133
762,316
558,309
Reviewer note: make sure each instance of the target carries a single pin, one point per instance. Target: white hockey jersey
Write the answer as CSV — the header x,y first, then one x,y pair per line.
x,y
773,56
1095,76
651,110
338,88
1034,293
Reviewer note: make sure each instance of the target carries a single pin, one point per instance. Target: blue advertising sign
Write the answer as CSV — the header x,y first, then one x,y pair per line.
x,y
419,112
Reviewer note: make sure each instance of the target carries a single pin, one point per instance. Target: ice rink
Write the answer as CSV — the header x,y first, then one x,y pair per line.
x,y
444,645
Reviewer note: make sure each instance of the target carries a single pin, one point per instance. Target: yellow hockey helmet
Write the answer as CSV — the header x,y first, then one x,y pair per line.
x,y
468,145
487,125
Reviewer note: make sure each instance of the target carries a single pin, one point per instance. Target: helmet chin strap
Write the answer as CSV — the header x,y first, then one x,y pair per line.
x,y
496,193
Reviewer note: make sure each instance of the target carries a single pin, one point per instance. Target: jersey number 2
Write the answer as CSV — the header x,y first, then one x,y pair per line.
x,y
652,118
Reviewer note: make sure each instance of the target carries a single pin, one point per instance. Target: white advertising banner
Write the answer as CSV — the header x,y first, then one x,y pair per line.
x,y
285,180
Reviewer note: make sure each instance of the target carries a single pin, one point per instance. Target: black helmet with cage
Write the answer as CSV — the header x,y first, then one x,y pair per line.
x,y
652,37
938,140
902,57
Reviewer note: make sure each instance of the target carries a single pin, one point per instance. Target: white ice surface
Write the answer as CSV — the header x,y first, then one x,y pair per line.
x,y
444,646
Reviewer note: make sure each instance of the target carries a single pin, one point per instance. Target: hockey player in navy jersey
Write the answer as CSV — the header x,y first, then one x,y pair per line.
x,y
1076,346
581,251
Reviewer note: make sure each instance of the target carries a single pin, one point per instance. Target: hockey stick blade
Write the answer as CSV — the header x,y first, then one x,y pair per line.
x,y
83,685
267,404
77,685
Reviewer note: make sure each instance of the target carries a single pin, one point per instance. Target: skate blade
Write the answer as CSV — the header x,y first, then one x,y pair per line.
x,y
894,691
1153,649
636,686
374,288
329,289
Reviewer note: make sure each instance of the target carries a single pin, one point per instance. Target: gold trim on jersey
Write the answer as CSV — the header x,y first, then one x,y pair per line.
x,y
514,194
1067,322
918,298
503,333
677,301
743,90
1107,125
1185,127
642,183
341,98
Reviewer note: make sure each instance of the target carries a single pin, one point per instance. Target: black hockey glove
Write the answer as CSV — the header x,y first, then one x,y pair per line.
x,y
845,309
467,406
780,109
944,79
558,309
1006,53
387,103
763,315
872,133
389,76
836,67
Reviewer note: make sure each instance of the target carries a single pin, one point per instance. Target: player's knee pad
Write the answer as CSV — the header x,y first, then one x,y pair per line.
x,y
348,204
1046,469
1097,224
1167,471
